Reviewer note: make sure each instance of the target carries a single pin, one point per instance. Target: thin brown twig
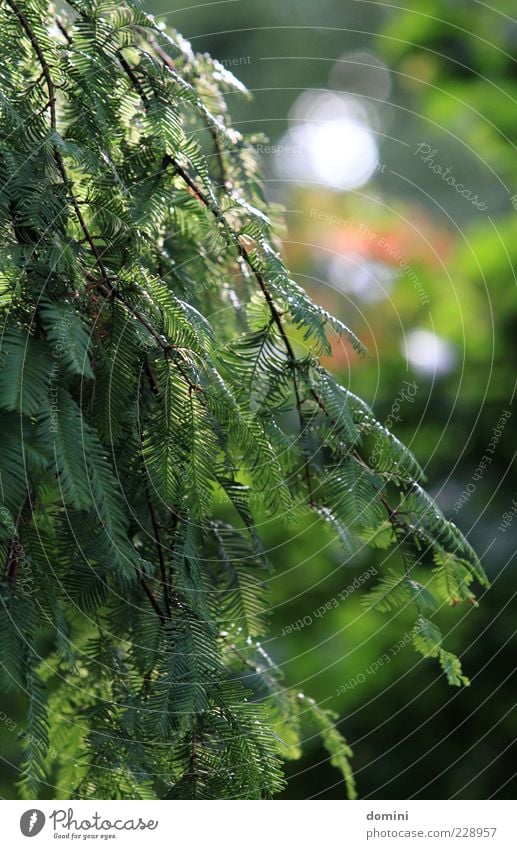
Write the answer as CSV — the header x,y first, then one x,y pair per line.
x,y
150,595
41,59
161,558
61,27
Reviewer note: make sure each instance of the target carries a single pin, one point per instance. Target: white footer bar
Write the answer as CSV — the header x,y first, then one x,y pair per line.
x,y
261,825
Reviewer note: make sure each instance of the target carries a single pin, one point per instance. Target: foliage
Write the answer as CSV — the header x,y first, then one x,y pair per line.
x,y
161,392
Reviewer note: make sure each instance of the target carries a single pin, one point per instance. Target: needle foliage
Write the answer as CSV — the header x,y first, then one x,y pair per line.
x,y
160,393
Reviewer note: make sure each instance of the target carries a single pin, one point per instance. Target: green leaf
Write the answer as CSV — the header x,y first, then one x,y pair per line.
x,y
68,337
25,373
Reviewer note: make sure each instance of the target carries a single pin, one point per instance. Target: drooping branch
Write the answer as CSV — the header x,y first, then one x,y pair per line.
x,y
105,285
45,69
51,88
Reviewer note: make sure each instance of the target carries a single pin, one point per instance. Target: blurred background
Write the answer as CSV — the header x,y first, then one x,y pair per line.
x,y
392,148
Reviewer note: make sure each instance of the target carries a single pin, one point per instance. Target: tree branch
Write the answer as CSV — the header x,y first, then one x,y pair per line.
x,y
150,595
41,59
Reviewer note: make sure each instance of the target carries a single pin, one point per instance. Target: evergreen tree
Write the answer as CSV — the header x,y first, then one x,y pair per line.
x,y
160,373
